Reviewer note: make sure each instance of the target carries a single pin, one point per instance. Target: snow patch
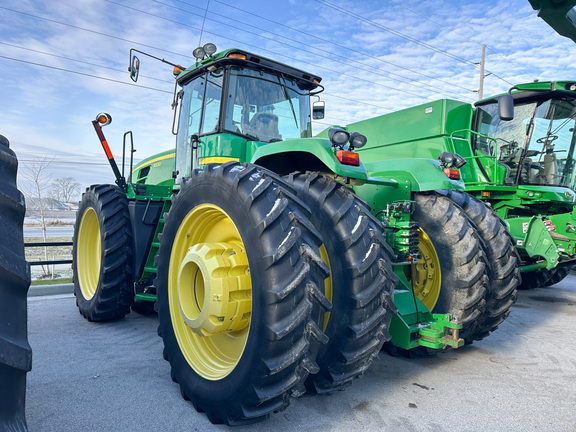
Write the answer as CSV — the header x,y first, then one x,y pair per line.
x,y
275,206
369,252
286,239
259,183
255,176
358,223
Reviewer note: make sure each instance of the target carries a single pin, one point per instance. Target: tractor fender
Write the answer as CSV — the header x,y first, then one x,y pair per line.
x,y
312,154
420,175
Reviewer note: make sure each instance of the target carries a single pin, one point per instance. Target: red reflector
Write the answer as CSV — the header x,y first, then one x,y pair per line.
x,y
348,158
452,173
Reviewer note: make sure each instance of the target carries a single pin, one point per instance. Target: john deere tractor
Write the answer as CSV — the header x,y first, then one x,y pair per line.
x,y
520,152
271,276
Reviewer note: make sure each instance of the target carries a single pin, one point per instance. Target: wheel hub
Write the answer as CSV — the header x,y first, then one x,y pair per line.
x,y
426,276
214,288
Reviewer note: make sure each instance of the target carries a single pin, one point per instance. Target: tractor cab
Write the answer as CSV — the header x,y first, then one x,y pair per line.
x,y
535,147
236,101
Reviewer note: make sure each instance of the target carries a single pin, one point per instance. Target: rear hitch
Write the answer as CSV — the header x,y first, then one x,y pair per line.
x,y
443,332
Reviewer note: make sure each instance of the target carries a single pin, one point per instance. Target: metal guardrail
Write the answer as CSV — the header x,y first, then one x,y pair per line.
x,y
43,244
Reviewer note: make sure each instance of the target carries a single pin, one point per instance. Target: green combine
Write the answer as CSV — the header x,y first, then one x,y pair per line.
x,y
280,262
520,152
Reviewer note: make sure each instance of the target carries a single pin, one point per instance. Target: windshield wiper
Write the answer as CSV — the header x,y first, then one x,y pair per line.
x,y
289,100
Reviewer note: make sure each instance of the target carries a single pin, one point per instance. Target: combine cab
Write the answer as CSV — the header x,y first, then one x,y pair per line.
x,y
519,149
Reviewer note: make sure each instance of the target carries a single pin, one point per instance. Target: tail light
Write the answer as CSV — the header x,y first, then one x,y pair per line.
x,y
348,158
452,173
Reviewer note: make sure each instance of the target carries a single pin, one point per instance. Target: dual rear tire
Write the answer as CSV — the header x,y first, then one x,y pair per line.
x,y
469,264
240,293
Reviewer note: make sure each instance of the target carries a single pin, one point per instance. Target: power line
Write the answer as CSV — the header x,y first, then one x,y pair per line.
x,y
84,74
402,35
94,31
195,28
394,32
332,54
79,61
340,73
203,22
117,70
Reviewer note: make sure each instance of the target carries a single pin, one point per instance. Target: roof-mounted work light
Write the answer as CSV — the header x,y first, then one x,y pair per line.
x,y
207,50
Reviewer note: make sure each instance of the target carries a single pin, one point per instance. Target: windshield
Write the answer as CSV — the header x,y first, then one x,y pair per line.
x,y
537,146
265,107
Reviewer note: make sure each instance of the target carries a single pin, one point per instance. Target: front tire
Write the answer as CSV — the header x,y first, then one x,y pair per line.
x,y
240,299
102,254
361,282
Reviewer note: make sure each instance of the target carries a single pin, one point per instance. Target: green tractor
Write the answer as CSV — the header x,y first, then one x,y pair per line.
x,y
520,152
270,275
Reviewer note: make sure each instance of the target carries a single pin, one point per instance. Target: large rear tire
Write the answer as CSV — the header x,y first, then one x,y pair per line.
x,y
240,299
453,274
361,283
15,351
102,254
504,275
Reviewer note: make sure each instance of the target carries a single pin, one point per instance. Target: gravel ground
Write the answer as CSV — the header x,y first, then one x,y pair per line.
x,y
111,377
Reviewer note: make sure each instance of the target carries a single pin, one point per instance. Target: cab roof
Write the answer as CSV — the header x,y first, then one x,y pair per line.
x,y
235,56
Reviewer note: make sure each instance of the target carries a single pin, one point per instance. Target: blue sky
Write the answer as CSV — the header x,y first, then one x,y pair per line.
x,y
61,63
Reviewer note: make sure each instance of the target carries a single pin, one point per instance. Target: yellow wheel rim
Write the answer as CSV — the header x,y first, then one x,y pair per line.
x,y
210,292
426,274
88,253
327,283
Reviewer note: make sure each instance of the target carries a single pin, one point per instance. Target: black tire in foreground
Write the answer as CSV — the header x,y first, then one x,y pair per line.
x,y
15,351
464,270
361,284
504,274
240,293
102,254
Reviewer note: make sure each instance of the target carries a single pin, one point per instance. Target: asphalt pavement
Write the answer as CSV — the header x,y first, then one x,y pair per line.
x,y
112,377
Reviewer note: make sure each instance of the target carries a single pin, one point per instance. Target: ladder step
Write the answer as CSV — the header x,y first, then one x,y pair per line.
x,y
146,297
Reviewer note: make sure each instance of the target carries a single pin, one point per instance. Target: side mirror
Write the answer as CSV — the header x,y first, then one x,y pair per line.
x,y
134,68
506,107
318,110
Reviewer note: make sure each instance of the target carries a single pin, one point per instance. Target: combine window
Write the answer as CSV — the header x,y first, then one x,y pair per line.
x,y
537,146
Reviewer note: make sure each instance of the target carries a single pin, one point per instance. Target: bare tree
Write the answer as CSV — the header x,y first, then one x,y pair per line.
x,y
38,177
65,189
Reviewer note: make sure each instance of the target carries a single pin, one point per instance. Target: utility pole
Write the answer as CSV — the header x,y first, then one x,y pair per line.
x,y
481,86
